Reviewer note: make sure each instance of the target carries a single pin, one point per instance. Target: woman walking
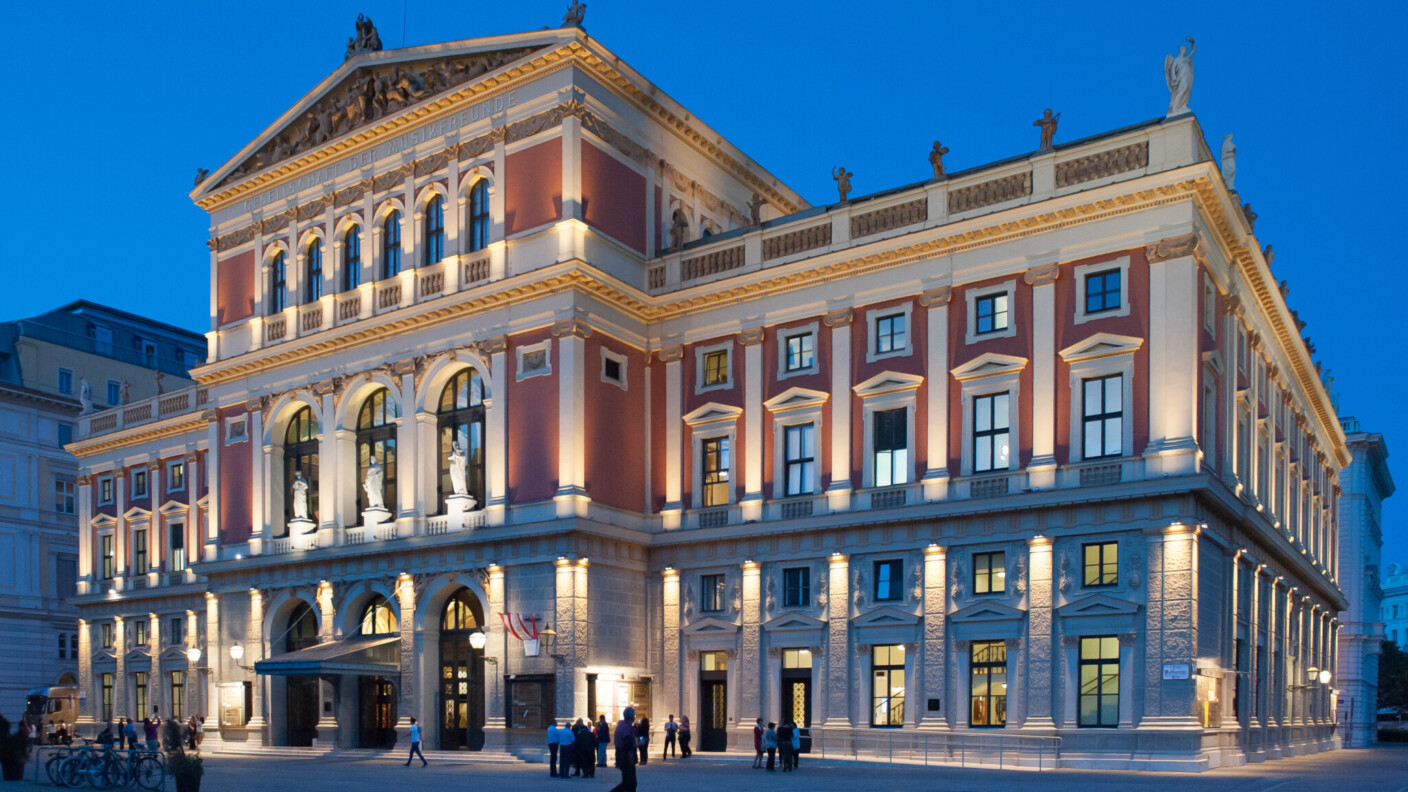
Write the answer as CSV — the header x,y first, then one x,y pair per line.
x,y
684,736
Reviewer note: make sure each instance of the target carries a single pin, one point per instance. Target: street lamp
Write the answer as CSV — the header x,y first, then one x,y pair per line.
x,y
193,654
237,652
1325,676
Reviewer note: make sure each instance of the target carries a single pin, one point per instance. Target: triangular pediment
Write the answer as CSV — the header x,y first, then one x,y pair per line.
x,y
137,515
711,626
204,501
990,364
713,412
986,612
174,653
888,382
793,622
173,507
103,521
796,399
138,653
1101,345
1098,605
885,617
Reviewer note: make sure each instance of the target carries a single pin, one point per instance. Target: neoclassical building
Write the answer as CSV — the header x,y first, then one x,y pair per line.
x,y
1031,448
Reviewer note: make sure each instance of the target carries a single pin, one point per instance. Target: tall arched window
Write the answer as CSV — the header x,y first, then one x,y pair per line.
x,y
461,674
302,628
391,245
434,230
376,439
461,420
479,215
351,259
301,456
314,287
378,618
461,612
278,283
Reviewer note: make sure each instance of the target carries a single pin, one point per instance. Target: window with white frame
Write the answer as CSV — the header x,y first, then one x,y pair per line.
x,y
796,351
713,367
175,476
176,560
713,429
108,557
1102,390
799,461
990,312
991,432
1103,416
890,446
105,490
991,395
1210,307
993,313
714,467
613,368
891,332
1102,290
888,403
534,360
236,429
139,484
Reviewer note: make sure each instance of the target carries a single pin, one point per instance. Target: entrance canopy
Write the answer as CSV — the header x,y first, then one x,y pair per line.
x,y
370,655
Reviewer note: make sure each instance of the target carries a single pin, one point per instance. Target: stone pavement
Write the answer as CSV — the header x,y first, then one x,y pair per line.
x,y
1383,769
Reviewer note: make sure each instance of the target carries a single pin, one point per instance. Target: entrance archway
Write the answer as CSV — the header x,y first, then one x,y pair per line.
x,y
461,674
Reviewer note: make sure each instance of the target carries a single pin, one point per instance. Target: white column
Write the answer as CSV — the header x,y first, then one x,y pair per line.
x,y
1039,664
571,168
670,660
1173,357
405,516
214,654
211,541
752,343
89,708
571,496
120,538
254,652
838,491
935,623
834,694
195,703
936,401
1041,472
674,401
87,564
329,466
259,509
498,251
496,431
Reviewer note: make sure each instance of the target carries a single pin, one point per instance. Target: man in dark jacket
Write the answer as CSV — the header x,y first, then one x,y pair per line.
x,y
643,739
625,743
585,750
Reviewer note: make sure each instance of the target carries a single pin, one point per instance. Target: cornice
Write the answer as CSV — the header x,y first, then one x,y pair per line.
x,y
123,439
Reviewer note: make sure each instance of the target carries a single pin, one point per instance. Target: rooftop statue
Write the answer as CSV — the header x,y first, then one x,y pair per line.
x,y
1048,128
843,181
575,14
366,40
936,158
1178,72
755,209
85,396
679,227
1229,162
201,173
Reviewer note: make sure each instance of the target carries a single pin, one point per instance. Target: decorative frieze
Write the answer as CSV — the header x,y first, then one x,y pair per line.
x,y
990,192
936,298
798,241
1043,275
1102,164
712,263
571,327
841,317
890,218
751,337
1177,247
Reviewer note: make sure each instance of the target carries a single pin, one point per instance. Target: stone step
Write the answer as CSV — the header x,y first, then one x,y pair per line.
x,y
364,754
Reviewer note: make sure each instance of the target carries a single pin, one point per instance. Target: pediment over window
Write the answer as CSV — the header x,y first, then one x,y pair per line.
x,y
103,521
137,515
104,656
1098,605
986,612
711,626
989,364
175,653
173,507
139,654
796,399
885,617
888,382
713,412
793,622
1101,345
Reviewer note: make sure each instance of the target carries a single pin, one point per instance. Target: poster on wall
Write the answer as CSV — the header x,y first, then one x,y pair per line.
x,y
232,712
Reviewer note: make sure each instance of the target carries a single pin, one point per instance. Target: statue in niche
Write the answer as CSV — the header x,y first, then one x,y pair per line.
x,y
679,228
1229,162
300,496
936,158
755,209
85,396
458,462
1047,122
843,181
1178,73
366,39
372,485
576,14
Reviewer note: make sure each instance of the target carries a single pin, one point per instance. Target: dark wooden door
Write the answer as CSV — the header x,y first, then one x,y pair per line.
x,y
713,720
376,713
302,709
797,698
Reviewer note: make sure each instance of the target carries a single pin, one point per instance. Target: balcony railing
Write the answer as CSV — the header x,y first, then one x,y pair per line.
x,y
165,405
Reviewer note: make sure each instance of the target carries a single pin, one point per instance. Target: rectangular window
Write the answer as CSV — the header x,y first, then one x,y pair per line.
x,y
800,460
1102,291
178,694
65,381
611,370
139,552
64,496
716,367
800,354
714,467
63,647
114,393
178,630
109,567
891,442
887,690
988,684
796,587
713,661
105,634
796,658
1099,682
990,433
148,353
991,313
1101,564
711,593
177,561
65,577
989,573
890,334
107,697
1104,416
64,429
139,484
139,632
889,576
139,688
176,477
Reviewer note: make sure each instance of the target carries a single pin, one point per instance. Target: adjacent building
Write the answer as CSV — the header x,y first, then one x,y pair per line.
x,y
1394,605
46,362
531,396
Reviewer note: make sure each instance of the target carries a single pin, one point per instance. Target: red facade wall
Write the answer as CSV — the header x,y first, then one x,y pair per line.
x,y
532,425
235,288
236,490
613,197
615,428
533,187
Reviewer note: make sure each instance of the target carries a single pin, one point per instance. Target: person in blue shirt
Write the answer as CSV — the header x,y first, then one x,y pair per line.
x,y
415,745
552,749
565,740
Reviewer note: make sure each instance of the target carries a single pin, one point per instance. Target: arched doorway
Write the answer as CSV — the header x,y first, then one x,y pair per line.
x,y
376,696
461,674
301,695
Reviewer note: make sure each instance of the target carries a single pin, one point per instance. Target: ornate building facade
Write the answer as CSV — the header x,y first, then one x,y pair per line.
x,y
1032,447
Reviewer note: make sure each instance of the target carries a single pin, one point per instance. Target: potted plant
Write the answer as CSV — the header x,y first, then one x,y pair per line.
x,y
14,752
186,768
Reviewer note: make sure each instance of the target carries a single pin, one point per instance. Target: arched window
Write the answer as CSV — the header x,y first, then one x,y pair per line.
x,y
434,230
301,456
351,259
314,288
378,618
461,612
278,283
479,215
391,245
302,628
461,420
376,439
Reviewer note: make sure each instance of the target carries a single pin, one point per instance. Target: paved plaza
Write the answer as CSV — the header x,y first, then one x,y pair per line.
x,y
1383,769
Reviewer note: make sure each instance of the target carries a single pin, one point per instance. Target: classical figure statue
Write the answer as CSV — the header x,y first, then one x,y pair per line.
x,y
85,396
366,40
755,209
1229,163
372,485
575,14
201,173
458,461
1250,215
125,392
843,181
1178,72
160,382
300,496
679,228
936,158
1048,128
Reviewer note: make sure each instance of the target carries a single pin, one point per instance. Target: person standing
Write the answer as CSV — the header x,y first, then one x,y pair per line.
x,y
603,739
625,744
129,733
758,744
643,739
585,750
796,745
684,736
200,731
415,745
565,740
552,749
670,729
770,744
784,746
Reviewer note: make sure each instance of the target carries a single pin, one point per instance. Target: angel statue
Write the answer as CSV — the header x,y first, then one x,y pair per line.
x,y
576,13
372,485
300,496
1178,72
457,467
843,181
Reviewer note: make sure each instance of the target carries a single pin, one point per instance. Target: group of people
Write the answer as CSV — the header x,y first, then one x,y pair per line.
x,y
785,739
127,738
577,749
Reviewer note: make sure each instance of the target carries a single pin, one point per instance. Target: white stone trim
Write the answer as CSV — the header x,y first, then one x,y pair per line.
x,y
1084,270
872,318
237,429
699,353
113,487
712,421
795,407
1101,355
783,334
623,383
985,375
971,296
544,346
888,390
171,465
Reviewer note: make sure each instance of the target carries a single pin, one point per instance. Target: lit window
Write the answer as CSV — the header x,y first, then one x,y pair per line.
x,y
992,313
278,283
139,687
177,561
891,445
711,593
1103,416
176,476
105,490
800,355
460,419
105,634
988,683
376,440
109,565
796,658
434,231
796,587
107,695
377,618
990,433
890,334
1099,682
716,368
391,245
799,443
139,631
313,289
139,552
1102,291
178,694
1101,564
887,692
714,464
989,573
479,215
888,579
351,259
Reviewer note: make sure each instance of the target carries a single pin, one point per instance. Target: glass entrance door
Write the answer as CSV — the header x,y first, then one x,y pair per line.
x,y
376,713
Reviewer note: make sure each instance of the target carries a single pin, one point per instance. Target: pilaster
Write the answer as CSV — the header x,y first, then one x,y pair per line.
x,y
407,697
838,489
494,720
259,509
1042,469
210,543
254,651
935,616
752,503
496,431
936,478
1039,666
571,496
672,357
836,689
749,677
671,659
406,446
87,715
1172,626
1173,357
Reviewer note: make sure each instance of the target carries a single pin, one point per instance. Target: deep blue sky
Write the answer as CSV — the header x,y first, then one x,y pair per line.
x,y
112,106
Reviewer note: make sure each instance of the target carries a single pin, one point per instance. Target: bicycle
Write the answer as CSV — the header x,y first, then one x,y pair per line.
x,y
147,769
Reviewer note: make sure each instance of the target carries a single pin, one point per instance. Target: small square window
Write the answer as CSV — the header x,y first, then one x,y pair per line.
x,y
891,334
1102,291
989,573
65,381
711,593
888,581
1100,564
64,498
796,587
992,313
800,352
612,369
716,368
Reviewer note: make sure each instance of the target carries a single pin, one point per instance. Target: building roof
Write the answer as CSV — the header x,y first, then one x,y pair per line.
x,y
77,325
